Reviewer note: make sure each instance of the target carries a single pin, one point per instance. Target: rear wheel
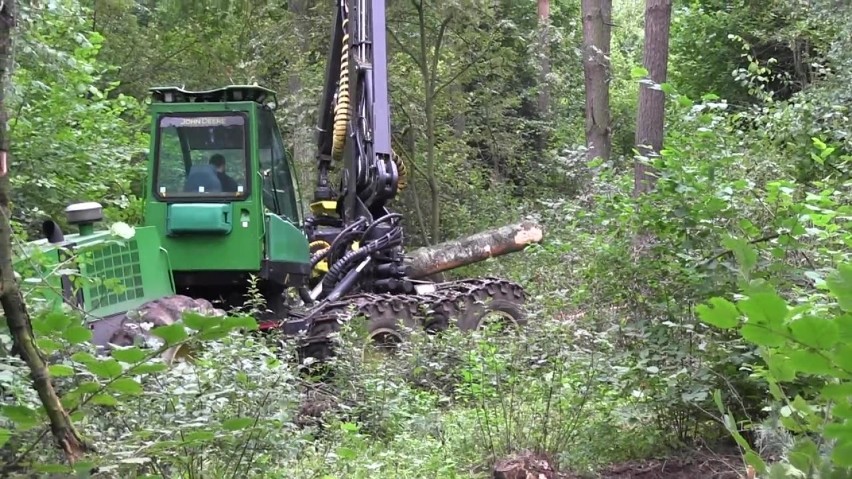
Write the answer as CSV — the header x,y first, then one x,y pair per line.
x,y
134,328
499,311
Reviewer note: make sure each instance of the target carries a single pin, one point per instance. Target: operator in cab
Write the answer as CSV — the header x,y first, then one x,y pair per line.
x,y
228,184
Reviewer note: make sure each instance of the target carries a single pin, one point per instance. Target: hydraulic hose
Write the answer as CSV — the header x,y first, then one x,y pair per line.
x,y
342,110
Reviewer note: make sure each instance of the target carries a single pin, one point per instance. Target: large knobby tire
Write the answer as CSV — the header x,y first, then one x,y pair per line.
x,y
134,327
388,329
508,312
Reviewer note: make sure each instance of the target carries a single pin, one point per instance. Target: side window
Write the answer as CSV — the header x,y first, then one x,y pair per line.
x,y
172,169
279,193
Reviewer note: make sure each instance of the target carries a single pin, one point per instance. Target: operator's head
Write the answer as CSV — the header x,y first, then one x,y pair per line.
x,y
218,162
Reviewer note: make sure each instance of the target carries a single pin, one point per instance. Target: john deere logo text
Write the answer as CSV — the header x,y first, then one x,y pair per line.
x,y
203,121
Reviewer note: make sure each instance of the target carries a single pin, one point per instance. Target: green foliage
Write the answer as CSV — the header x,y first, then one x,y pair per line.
x,y
72,138
807,340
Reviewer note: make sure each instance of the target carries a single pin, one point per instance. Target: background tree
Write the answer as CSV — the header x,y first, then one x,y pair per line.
x,y
652,100
597,33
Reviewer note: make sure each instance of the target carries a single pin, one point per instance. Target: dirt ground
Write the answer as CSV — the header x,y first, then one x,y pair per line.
x,y
692,465
696,466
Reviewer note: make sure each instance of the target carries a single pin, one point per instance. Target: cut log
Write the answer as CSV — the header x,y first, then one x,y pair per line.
x,y
472,249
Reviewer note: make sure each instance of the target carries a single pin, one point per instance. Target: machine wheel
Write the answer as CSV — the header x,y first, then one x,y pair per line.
x,y
134,327
386,328
499,310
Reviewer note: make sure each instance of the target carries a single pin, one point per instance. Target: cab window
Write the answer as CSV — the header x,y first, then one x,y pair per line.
x,y
279,190
201,156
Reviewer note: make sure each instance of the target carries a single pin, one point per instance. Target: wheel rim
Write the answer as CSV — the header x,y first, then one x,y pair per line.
x,y
492,316
385,338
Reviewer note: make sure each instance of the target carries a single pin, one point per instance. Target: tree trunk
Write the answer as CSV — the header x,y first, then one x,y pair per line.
x,y
543,25
472,249
17,317
428,70
649,122
597,18
302,142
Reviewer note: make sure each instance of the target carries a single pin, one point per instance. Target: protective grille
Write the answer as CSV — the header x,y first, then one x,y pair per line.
x,y
118,268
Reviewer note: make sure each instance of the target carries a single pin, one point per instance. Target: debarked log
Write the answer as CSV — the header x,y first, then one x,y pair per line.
x,y
473,249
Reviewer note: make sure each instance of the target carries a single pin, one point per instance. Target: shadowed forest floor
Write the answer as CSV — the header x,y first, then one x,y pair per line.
x,y
724,464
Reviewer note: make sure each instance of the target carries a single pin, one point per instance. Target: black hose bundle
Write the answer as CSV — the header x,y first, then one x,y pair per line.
x,y
340,267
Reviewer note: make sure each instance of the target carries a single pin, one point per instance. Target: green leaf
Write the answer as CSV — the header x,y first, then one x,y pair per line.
x,y
843,357
717,398
53,468
56,321
842,432
198,436
839,283
755,461
761,336
47,345
130,355
817,333
780,366
60,370
723,313
83,357
842,455
811,362
240,322
104,399
346,453
638,72
685,102
86,387
842,410
743,251
844,325
237,423
149,368
766,308
199,322
5,435
172,334
21,415
126,386
214,333
107,368
77,334
837,392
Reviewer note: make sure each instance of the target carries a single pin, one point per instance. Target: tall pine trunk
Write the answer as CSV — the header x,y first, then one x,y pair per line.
x,y
649,122
597,34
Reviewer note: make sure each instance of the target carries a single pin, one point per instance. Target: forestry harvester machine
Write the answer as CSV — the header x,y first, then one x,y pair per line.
x,y
206,233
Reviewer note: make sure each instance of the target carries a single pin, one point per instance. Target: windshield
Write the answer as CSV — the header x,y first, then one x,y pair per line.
x,y
201,156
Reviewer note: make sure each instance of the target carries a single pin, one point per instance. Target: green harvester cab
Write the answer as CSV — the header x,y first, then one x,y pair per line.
x,y
221,206
222,193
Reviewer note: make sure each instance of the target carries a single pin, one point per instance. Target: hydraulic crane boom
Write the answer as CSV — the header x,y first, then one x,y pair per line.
x,y
357,77
354,129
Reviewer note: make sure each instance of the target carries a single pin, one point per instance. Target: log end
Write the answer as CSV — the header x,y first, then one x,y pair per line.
x,y
529,233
